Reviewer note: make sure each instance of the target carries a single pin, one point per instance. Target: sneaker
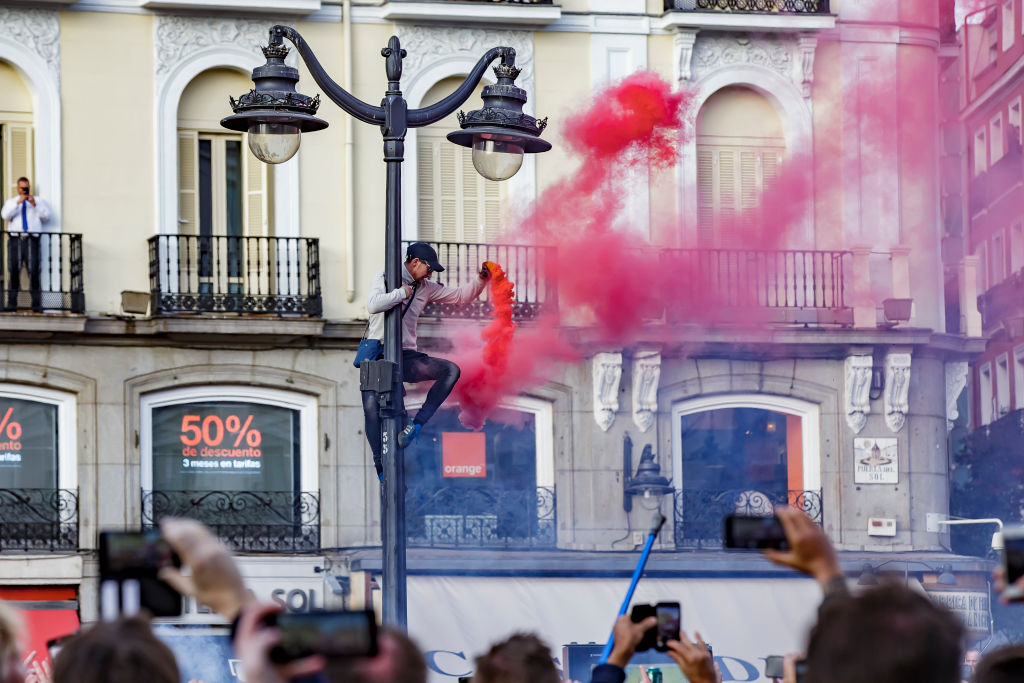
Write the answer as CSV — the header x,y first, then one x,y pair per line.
x,y
408,435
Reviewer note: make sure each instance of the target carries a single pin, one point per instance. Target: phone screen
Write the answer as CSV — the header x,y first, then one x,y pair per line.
x,y
332,634
131,553
754,533
669,617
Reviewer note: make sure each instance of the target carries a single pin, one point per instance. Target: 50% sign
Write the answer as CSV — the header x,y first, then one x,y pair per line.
x,y
205,436
10,432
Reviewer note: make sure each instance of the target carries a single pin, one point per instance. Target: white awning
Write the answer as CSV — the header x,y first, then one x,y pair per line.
x,y
456,618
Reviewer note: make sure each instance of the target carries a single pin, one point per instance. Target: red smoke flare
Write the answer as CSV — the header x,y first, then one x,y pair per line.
x,y
479,387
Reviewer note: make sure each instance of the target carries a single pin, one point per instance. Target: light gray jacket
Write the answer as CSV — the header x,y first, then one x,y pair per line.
x,y
427,291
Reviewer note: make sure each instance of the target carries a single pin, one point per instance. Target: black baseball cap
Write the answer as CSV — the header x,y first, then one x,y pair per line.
x,y
424,252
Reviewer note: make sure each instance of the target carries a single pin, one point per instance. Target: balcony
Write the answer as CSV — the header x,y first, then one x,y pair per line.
x,y
535,292
478,517
991,186
38,519
774,6
700,514
246,521
235,275
1003,303
41,271
790,286
777,16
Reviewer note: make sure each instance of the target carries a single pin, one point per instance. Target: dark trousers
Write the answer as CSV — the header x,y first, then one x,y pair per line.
x,y
416,367
23,249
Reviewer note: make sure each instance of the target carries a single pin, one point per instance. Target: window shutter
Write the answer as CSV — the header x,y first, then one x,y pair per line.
x,y
188,183
426,188
449,182
728,197
256,220
17,155
705,197
492,210
472,220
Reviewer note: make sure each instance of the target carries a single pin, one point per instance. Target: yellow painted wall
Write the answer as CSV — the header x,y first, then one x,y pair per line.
x,y
738,112
204,102
14,94
562,85
108,149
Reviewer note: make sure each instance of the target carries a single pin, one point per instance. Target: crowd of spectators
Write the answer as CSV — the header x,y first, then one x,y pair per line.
x,y
884,634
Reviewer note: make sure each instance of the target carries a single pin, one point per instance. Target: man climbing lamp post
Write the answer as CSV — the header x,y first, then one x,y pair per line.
x,y
274,115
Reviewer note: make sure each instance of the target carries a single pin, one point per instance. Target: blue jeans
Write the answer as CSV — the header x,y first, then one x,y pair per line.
x,y
416,367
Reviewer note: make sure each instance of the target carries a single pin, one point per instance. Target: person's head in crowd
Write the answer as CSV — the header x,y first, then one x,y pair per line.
x,y
121,651
521,658
398,660
971,659
1004,665
11,668
888,634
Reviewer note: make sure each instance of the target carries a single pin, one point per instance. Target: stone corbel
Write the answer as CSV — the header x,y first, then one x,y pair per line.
x,y
646,375
683,41
956,380
858,391
807,45
607,370
897,389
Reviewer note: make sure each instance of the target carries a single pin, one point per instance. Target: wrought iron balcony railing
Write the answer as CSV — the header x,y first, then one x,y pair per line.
x,y
799,280
222,274
38,519
535,291
1003,303
781,6
41,271
249,521
700,514
479,517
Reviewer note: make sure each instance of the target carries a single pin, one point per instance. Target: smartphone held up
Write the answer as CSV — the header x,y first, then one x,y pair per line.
x,y
746,532
130,562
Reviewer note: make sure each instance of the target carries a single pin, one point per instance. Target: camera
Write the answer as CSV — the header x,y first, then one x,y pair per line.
x,y
129,564
743,532
333,634
669,616
1013,559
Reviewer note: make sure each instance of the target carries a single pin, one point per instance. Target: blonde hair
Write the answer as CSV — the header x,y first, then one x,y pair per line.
x,y
11,628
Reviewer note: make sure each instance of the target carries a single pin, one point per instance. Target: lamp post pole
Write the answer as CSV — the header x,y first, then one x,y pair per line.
x,y
274,115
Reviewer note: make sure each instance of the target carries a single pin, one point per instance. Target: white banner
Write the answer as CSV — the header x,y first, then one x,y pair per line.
x,y
454,619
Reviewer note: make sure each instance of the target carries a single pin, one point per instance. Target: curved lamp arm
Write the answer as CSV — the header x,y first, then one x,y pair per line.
x,y
439,110
350,103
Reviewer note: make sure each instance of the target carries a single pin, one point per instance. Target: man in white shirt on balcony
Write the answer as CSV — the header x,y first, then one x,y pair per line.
x,y
25,215
416,292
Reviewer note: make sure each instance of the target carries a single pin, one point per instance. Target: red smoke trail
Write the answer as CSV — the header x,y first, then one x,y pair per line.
x,y
476,390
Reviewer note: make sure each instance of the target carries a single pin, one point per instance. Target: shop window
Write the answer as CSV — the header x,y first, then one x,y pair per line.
x,y
241,460
736,455
38,469
492,487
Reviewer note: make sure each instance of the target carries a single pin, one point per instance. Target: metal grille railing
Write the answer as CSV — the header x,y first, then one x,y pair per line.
x,y
535,291
700,514
480,517
250,521
41,271
767,279
38,519
222,274
783,6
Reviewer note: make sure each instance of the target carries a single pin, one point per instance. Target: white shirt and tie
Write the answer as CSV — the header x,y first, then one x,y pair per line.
x,y
25,217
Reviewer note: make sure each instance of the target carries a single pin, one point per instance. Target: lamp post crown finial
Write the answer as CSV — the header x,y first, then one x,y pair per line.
x,y
275,51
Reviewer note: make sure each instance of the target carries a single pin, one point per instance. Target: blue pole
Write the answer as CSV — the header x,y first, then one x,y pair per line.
x,y
659,520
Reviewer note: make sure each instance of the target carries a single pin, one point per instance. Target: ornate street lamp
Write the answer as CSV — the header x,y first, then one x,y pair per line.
x,y
275,116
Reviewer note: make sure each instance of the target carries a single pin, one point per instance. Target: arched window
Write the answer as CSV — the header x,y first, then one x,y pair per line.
x,y
740,144
222,189
492,487
16,132
745,454
455,203
243,460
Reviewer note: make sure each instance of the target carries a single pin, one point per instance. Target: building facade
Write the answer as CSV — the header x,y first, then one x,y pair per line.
x,y
190,348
